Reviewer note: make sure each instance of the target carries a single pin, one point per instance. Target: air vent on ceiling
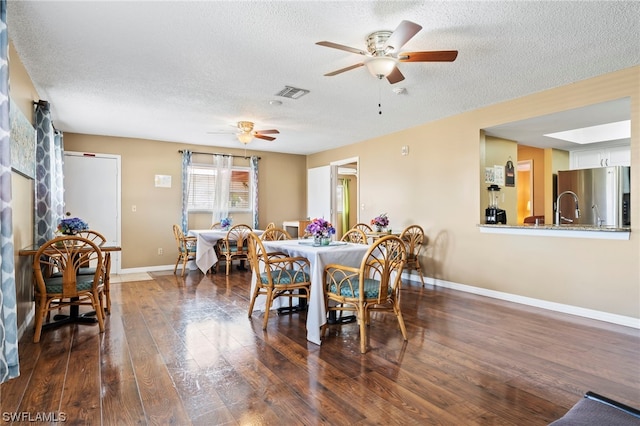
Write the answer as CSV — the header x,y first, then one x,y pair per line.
x,y
292,92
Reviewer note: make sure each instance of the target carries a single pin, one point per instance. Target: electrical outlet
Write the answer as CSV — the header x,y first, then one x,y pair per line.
x,y
134,208
160,251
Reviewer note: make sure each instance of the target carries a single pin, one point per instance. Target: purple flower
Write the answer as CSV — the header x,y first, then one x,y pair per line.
x,y
381,220
320,228
72,225
226,222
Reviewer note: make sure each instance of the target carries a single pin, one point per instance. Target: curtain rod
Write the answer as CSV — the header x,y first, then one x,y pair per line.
x,y
246,157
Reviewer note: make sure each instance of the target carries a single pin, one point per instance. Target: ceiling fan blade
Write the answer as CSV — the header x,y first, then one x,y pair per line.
x,y
270,131
341,47
432,56
341,70
266,138
395,76
405,31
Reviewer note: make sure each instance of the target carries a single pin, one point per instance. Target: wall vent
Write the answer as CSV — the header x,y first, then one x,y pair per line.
x,y
292,92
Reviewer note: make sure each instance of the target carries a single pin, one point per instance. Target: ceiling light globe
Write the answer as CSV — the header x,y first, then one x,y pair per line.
x,y
381,66
245,138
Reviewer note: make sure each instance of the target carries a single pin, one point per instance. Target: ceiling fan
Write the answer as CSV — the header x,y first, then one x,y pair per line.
x,y
383,55
246,132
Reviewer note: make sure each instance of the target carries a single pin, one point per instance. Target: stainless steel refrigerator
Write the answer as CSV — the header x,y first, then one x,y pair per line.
x,y
603,196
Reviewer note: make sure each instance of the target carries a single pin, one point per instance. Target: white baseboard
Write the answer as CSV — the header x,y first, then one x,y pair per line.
x,y
148,269
529,301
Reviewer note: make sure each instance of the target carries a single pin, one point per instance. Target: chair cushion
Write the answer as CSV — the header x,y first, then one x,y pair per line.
x,y
83,283
190,249
81,271
371,288
285,276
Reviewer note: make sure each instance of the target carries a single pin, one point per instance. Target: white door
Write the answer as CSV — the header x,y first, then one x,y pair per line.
x,y
92,193
319,193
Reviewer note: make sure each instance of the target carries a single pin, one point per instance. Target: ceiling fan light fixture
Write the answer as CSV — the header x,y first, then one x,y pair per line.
x,y
245,138
381,66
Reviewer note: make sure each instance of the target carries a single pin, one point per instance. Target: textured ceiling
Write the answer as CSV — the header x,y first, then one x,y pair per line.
x,y
178,71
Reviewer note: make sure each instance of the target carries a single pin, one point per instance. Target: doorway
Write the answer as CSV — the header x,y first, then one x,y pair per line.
x,y
525,189
345,193
92,192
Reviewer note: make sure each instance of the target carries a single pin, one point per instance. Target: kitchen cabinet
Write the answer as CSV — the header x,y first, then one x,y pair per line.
x,y
601,157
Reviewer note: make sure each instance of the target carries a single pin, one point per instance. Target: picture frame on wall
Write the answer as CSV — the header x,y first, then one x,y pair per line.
x,y
23,143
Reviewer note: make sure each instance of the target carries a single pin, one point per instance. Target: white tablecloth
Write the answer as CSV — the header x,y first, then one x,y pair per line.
x,y
346,254
206,255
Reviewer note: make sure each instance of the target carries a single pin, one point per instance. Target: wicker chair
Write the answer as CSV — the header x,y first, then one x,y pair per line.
x,y
66,255
234,245
216,225
374,286
277,275
355,235
99,239
275,234
186,248
89,269
413,238
363,227
270,225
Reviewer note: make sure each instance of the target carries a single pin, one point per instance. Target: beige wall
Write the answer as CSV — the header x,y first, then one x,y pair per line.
x,y
436,186
281,189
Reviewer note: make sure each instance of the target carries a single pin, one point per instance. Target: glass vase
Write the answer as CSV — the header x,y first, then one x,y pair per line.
x,y
320,240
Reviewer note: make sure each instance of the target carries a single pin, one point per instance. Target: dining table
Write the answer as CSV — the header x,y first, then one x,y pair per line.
x,y
206,241
74,310
319,257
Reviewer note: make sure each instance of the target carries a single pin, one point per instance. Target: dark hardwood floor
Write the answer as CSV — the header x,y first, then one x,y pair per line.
x,y
182,351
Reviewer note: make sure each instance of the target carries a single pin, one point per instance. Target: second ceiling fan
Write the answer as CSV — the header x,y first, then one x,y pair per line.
x,y
383,53
247,133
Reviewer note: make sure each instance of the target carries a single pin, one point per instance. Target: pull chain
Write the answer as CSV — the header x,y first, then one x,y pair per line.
x,y
380,96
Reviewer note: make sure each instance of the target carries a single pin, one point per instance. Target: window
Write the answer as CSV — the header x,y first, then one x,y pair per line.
x,y
202,188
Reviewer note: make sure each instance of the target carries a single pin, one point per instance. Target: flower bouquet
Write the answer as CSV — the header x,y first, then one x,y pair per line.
x,y
380,222
72,226
226,223
321,230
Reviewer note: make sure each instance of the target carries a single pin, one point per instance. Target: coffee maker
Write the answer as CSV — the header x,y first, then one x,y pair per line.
x,y
493,214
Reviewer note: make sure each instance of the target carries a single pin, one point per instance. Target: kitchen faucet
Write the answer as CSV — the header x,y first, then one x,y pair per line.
x,y
599,220
559,213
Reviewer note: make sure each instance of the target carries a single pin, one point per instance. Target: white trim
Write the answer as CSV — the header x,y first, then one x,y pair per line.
x,y
550,231
153,269
529,301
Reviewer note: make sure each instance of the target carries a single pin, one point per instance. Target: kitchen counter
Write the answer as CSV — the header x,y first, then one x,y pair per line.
x,y
566,231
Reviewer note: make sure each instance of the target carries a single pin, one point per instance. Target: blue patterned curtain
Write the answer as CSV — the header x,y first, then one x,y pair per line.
x,y
186,162
9,367
254,173
49,189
